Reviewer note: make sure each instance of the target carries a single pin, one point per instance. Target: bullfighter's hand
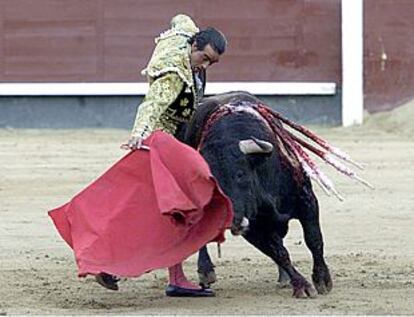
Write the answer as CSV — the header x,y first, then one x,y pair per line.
x,y
135,143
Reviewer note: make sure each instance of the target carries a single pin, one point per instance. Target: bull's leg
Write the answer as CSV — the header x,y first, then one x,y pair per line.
x,y
206,273
272,245
268,207
284,279
309,219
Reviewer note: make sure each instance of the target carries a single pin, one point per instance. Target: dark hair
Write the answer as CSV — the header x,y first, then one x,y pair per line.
x,y
210,36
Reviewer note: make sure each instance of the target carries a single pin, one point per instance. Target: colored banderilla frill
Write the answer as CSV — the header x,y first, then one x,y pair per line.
x,y
328,153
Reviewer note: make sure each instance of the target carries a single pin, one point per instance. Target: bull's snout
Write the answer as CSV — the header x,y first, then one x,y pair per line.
x,y
240,227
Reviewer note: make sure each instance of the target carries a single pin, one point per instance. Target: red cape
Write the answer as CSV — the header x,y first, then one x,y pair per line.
x,y
150,210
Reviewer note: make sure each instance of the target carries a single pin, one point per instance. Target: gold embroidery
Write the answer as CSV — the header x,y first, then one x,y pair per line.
x,y
172,52
187,112
184,102
161,95
171,112
168,71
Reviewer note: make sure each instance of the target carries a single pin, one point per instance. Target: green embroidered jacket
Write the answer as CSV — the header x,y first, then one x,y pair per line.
x,y
174,90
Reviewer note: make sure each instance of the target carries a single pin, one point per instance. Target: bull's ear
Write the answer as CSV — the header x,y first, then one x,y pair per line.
x,y
255,146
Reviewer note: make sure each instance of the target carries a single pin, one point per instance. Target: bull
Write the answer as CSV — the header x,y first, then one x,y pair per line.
x,y
266,184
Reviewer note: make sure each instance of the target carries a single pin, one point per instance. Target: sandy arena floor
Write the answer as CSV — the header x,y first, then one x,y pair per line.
x,y
368,238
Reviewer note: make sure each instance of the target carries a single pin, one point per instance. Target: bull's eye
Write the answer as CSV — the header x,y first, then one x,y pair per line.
x,y
240,175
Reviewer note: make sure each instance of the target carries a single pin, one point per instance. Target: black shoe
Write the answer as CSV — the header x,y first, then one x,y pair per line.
x,y
108,281
176,291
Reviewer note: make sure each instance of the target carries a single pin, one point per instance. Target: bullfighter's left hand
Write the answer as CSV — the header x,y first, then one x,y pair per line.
x,y
135,143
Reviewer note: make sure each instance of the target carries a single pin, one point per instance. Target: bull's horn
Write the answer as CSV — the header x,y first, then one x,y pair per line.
x,y
254,145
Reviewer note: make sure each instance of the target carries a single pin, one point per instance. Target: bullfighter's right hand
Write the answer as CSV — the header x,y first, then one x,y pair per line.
x,y
135,143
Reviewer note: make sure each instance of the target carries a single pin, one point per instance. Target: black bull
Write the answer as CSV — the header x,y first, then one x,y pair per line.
x,y
266,188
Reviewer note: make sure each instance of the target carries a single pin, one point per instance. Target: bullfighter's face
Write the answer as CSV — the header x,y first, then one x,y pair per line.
x,y
202,59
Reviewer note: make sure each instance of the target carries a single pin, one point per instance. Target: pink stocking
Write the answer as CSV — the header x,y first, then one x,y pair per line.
x,y
177,277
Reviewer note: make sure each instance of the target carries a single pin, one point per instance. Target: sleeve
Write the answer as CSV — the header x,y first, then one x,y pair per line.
x,y
162,93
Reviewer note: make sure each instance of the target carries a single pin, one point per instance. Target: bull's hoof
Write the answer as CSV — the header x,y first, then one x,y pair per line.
x,y
322,281
207,278
303,289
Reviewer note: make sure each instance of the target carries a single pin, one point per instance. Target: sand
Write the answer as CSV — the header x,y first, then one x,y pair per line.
x,y
368,237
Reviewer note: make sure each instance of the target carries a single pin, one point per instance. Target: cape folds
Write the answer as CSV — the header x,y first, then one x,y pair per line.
x,y
150,210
